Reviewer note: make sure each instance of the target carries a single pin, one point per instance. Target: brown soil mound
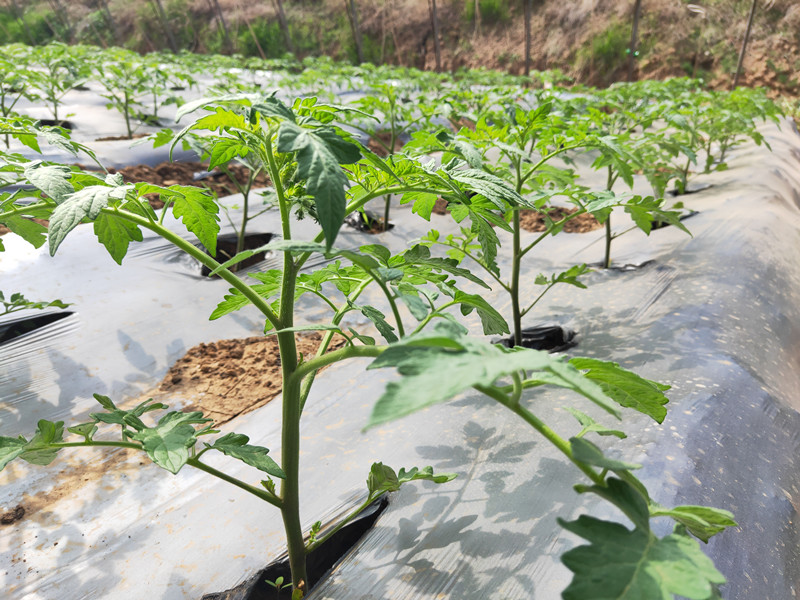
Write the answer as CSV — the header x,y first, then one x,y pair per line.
x,y
177,173
227,378
531,220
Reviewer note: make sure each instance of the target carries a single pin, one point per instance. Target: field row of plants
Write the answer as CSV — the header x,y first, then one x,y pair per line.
x,y
485,145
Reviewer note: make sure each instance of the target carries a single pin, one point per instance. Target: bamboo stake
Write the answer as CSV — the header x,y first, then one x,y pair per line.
x,y
637,9
221,24
20,16
352,13
435,22
255,38
284,25
744,44
528,11
165,24
103,6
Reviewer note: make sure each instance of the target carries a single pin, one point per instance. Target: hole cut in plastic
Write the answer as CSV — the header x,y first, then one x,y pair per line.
x,y
552,338
11,330
226,249
318,563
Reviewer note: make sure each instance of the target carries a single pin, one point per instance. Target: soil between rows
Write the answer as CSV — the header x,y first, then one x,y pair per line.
x,y
533,221
227,378
180,173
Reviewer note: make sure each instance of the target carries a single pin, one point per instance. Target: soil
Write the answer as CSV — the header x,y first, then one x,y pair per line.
x,y
227,378
380,141
188,173
13,515
531,220
118,138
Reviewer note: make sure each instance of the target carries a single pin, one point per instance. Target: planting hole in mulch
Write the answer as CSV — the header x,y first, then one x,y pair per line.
x,y
662,224
623,268
226,249
318,563
372,223
692,189
227,378
532,220
553,338
10,330
53,123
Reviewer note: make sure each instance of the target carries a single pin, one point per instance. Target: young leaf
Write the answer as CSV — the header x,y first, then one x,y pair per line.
x,y
379,320
587,452
621,564
703,522
11,448
626,388
116,234
83,204
37,451
492,321
590,425
318,156
198,211
236,446
167,444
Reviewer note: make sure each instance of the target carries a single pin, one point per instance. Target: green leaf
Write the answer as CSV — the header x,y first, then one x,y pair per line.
x,y
626,388
590,425
417,306
587,452
53,180
11,448
439,364
30,231
379,320
226,149
382,478
86,203
167,444
492,321
198,211
703,522
318,156
116,234
37,451
621,564
497,191
236,446
86,430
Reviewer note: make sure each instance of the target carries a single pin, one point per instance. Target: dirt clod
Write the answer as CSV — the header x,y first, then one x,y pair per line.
x,y
13,515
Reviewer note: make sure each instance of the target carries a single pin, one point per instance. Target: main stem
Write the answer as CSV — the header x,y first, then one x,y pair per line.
x,y
290,428
516,261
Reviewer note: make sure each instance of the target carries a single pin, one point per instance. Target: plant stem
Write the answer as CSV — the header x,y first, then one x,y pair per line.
x,y
515,273
551,436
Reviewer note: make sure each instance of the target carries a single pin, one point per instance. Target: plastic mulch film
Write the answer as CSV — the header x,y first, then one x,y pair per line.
x,y
716,315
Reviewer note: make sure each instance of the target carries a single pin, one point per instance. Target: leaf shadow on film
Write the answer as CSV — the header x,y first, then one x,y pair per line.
x,y
490,531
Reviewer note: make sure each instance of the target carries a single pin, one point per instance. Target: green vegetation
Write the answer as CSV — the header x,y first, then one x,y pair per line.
x,y
512,149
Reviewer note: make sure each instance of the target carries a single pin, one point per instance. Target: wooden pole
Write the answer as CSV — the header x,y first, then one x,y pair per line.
x,y
352,13
744,44
435,23
284,25
165,24
528,11
477,18
103,7
20,16
255,37
221,24
632,53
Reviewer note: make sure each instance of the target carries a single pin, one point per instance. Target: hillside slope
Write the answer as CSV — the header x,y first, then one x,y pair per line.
x,y
586,39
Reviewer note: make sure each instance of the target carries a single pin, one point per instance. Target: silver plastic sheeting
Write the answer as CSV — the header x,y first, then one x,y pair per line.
x,y
715,315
